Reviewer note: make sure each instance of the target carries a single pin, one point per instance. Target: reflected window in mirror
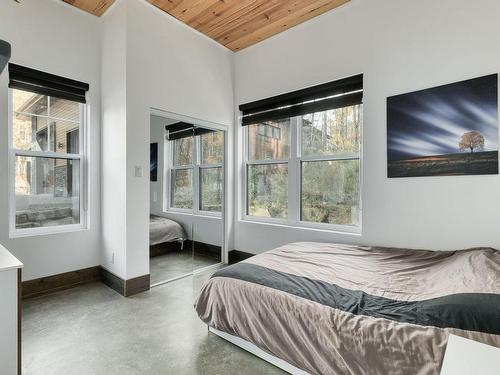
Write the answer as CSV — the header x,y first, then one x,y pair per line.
x,y
197,173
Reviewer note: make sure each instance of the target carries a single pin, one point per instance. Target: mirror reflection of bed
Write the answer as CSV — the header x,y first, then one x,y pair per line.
x,y
186,198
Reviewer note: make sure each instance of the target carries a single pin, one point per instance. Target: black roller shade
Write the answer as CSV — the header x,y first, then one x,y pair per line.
x,y
32,80
184,130
331,95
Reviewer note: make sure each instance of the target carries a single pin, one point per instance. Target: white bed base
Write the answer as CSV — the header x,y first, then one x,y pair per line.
x,y
251,348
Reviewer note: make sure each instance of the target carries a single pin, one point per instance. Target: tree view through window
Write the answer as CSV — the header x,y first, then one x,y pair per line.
x,y
267,169
324,167
211,173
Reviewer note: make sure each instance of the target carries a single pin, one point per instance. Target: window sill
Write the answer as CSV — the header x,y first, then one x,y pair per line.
x,y
199,214
46,231
315,227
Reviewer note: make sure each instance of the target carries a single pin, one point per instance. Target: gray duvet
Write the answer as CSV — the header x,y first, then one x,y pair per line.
x,y
163,230
339,309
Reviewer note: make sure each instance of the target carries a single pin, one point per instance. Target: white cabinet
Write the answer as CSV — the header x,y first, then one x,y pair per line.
x,y
467,357
10,335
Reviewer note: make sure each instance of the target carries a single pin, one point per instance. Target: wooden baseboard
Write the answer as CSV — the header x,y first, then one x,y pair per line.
x,y
137,285
114,282
67,280
55,283
236,256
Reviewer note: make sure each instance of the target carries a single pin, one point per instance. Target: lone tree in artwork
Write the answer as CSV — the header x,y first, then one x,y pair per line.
x,y
473,140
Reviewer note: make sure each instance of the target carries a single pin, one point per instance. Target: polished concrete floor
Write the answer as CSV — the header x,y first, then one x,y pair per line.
x,y
177,263
92,330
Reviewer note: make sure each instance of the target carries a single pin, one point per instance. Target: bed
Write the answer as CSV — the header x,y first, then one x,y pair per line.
x,y
337,309
162,229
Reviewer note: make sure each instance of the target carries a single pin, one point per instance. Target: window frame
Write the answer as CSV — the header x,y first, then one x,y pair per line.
x,y
82,157
171,167
196,167
294,163
247,162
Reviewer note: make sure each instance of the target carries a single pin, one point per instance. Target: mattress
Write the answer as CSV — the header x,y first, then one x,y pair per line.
x,y
162,229
340,309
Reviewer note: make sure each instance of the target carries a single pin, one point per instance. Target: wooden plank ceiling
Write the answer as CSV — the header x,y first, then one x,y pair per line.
x,y
95,7
236,24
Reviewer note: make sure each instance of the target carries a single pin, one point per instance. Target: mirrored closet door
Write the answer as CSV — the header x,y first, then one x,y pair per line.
x,y
187,195
208,223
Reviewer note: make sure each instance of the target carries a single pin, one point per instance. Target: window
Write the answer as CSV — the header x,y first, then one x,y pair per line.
x,y
267,169
211,171
329,163
196,171
182,173
46,155
302,157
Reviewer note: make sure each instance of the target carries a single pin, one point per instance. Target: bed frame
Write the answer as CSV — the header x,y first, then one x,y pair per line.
x,y
251,348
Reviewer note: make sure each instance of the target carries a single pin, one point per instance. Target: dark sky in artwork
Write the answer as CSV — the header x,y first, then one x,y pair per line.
x,y
432,121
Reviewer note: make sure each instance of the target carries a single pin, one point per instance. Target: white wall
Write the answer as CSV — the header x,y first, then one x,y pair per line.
x,y
53,37
400,46
198,227
172,68
114,133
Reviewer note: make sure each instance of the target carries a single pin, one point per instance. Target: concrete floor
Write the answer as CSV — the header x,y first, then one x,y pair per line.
x,y
177,263
92,330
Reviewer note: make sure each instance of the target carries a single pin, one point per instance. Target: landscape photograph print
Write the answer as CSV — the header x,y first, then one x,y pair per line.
x,y
449,130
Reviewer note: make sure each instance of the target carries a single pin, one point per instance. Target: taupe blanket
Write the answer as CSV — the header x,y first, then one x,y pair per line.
x,y
339,309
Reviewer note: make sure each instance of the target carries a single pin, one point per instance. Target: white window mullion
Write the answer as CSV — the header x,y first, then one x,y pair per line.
x,y
244,174
167,163
12,189
294,175
267,162
84,164
45,116
170,179
47,155
11,166
351,156
196,175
